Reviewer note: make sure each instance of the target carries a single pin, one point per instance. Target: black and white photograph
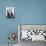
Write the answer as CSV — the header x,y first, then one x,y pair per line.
x,y
10,12
31,34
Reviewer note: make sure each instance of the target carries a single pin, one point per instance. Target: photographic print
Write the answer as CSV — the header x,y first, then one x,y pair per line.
x,y
27,34
10,12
